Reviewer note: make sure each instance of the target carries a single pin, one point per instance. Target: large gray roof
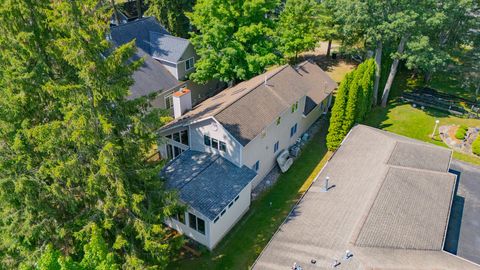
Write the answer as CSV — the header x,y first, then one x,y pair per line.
x,y
152,76
206,182
389,214
250,106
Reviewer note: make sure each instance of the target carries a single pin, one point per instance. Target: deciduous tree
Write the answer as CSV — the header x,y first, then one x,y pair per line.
x,y
234,38
171,14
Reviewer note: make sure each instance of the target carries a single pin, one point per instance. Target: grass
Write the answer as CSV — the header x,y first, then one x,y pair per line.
x,y
403,119
243,244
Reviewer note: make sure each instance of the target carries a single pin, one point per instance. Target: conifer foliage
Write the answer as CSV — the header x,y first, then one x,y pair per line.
x,y
353,101
72,147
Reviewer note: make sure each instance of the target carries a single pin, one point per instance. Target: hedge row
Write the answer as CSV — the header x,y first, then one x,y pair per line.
x,y
476,146
353,101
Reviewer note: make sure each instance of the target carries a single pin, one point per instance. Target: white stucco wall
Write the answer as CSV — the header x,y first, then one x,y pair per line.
x,y
213,129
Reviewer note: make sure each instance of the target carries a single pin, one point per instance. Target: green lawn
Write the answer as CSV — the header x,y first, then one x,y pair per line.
x,y
405,120
240,248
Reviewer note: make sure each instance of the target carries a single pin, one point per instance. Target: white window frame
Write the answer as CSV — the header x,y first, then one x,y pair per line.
x,y
170,99
187,61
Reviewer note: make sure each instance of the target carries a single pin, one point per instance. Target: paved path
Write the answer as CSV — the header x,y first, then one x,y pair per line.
x,y
463,236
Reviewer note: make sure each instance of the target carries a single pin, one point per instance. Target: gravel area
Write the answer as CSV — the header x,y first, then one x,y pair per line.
x,y
271,178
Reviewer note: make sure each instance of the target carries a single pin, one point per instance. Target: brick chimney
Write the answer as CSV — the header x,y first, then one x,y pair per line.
x,y
182,102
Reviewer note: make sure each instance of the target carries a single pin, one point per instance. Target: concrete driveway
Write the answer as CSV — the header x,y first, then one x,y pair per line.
x,y
463,234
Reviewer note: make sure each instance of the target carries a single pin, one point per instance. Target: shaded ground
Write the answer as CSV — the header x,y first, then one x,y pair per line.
x,y
463,234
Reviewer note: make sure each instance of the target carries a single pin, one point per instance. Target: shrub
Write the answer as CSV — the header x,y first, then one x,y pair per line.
x,y
461,132
335,131
476,146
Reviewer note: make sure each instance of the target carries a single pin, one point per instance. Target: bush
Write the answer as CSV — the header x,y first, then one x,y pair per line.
x,y
476,146
461,132
335,131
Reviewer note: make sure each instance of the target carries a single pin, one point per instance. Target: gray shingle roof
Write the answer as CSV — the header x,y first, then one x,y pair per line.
x,y
206,182
152,76
248,107
388,216
167,47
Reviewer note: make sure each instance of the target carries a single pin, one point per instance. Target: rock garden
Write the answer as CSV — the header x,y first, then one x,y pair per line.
x,y
461,138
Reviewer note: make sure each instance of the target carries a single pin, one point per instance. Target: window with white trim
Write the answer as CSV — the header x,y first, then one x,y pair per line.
x,y
189,64
196,223
169,102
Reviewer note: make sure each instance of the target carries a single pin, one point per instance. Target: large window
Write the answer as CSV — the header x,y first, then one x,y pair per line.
x,y
196,223
169,102
215,143
206,140
184,137
181,217
189,64
293,130
223,146
169,151
176,136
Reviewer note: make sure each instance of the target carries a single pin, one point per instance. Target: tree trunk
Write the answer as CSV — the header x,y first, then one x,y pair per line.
x,y
115,12
329,47
139,8
378,70
393,71
427,76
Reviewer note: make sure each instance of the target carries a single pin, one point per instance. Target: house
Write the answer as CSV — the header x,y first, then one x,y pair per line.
x,y
387,206
167,62
223,147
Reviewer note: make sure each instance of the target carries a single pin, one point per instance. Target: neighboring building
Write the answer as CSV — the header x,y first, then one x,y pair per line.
x,y
388,204
167,62
243,129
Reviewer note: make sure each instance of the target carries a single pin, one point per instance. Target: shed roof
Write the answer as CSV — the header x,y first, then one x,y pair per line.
x,y
201,181
248,107
390,216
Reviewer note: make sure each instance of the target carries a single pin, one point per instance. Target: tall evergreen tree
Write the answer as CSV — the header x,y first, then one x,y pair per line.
x,y
234,38
171,14
335,130
72,147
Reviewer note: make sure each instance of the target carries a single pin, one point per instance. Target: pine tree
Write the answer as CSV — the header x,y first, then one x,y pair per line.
x,y
72,147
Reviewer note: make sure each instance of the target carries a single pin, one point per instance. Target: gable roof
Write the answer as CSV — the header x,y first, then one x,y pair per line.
x,y
250,106
200,179
167,47
390,215
152,76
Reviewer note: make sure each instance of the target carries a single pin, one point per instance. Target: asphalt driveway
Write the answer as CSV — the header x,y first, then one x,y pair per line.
x,y
463,234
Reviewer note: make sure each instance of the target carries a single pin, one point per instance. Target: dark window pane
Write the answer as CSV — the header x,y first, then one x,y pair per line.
x,y
236,198
216,219
184,136
206,140
201,225
169,151
181,217
176,137
169,136
223,212
192,221
223,147
230,204
177,151
215,143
